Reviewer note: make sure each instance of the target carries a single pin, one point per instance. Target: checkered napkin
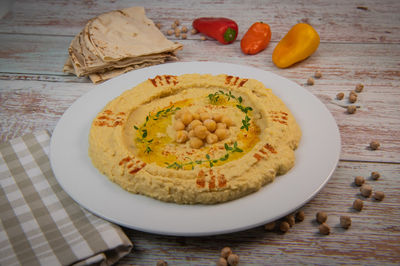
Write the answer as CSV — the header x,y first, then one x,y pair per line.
x,y
40,223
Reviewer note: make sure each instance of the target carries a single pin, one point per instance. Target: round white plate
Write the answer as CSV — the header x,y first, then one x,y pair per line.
x,y
316,159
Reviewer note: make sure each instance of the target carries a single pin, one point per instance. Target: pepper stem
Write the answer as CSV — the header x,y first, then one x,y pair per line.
x,y
230,35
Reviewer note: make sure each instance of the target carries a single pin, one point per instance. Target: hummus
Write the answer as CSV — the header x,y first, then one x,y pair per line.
x,y
142,140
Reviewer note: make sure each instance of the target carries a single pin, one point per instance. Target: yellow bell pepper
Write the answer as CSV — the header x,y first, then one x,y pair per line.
x,y
300,42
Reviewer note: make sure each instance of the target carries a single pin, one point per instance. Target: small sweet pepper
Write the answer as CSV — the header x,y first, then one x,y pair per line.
x,y
256,38
223,30
300,42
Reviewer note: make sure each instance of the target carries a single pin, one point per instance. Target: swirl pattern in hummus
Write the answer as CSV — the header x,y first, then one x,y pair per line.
x,y
132,140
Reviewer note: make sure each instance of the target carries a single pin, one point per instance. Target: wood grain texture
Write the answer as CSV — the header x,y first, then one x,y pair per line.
x,y
359,44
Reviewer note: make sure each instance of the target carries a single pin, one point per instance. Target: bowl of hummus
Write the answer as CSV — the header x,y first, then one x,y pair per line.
x,y
194,138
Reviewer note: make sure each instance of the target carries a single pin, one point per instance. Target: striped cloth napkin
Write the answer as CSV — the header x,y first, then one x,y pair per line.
x,y
40,223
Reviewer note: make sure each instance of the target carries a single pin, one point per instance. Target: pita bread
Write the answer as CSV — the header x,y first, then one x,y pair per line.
x,y
116,42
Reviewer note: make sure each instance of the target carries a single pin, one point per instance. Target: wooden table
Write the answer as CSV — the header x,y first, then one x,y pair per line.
x,y
360,43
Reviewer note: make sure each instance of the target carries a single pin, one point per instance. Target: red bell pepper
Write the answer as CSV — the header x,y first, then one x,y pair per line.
x,y
223,30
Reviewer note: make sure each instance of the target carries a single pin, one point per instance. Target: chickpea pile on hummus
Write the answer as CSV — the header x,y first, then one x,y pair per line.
x,y
194,138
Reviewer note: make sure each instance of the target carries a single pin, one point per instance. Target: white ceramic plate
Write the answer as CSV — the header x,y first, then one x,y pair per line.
x,y
316,159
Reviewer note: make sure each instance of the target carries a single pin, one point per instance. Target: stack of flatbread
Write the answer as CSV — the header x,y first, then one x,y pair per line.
x,y
117,42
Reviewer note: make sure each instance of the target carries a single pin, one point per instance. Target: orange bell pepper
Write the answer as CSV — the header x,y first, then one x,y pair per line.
x,y
300,42
256,38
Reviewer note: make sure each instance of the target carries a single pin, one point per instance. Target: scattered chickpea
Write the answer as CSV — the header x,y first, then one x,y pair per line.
x,y
193,31
184,29
203,38
222,262
233,259
184,36
375,175
284,226
177,32
195,143
225,252
358,204
173,26
290,220
345,221
340,96
270,226
351,109
162,263
359,180
374,145
353,98
170,32
324,229
379,195
359,87
317,74
310,81
352,93
299,216
177,22
321,217
366,190
158,25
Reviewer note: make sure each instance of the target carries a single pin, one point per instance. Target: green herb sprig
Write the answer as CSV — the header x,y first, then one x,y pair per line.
x,y
211,162
143,129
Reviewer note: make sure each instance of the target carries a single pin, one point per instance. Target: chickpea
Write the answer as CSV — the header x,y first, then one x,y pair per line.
x,y
179,113
310,81
359,180
217,117
181,136
299,217
290,220
222,262
340,96
321,217
201,132
374,145
210,125
204,116
192,134
375,175
353,98
195,143
170,32
194,124
177,22
233,259
345,221
179,125
187,117
284,226
196,116
358,204
211,138
379,195
227,121
324,229
351,109
366,190
193,31
221,133
359,87
221,125
270,226
225,252
184,29
317,74
162,263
